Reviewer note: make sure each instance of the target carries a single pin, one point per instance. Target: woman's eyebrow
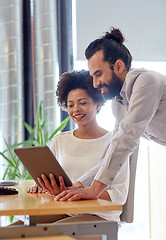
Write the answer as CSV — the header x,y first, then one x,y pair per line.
x,y
82,99
77,99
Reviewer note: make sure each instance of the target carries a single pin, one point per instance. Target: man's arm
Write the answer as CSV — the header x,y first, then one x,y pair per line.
x,y
135,122
97,187
146,93
88,178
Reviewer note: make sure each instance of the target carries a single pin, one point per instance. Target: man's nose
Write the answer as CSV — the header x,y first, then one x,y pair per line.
x,y
96,82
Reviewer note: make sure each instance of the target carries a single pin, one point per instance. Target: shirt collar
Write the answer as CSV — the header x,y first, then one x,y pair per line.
x,y
121,98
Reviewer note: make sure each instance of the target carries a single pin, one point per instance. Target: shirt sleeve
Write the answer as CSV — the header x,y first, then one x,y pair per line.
x,y
143,104
118,191
88,177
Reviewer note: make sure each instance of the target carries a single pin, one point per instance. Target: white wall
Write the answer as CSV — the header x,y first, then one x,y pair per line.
x,y
157,166
142,23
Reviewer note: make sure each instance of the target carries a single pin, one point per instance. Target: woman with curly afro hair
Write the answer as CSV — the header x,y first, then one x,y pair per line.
x,y
80,151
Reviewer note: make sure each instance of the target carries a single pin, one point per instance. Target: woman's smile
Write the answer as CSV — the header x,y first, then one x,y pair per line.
x,y
79,117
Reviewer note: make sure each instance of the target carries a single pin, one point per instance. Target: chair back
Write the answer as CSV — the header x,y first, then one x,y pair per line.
x,y
128,208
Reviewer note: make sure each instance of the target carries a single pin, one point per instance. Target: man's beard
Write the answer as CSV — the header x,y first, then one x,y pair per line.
x,y
114,87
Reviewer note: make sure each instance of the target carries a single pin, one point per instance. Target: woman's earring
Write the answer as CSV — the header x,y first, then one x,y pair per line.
x,y
98,107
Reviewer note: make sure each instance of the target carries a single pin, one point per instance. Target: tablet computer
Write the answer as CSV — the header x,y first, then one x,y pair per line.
x,y
40,159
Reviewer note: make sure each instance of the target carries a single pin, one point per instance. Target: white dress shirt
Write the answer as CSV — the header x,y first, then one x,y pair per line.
x,y
141,113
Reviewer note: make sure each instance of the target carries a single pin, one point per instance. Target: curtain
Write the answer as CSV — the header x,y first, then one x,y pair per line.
x,y
35,48
46,64
11,77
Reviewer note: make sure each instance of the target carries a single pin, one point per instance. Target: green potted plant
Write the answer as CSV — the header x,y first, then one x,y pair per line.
x,y
38,135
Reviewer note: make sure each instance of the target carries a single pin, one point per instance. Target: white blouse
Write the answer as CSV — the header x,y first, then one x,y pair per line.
x,y
82,158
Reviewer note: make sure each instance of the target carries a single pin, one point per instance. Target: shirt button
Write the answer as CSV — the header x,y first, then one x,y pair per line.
x,y
111,178
120,164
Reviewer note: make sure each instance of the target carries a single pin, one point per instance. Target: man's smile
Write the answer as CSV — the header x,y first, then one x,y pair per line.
x,y
103,88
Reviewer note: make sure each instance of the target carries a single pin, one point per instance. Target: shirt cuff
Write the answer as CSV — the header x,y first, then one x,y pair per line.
x,y
105,176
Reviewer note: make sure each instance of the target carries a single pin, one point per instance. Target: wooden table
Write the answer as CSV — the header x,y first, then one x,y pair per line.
x,y
60,237
34,205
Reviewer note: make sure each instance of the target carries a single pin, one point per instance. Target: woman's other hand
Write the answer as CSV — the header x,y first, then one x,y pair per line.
x,y
34,189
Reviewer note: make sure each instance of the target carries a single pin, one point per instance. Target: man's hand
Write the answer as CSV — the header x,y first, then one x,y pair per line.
x,y
90,193
76,194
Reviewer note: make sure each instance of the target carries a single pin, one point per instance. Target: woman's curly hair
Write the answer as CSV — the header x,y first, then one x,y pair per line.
x,y
74,80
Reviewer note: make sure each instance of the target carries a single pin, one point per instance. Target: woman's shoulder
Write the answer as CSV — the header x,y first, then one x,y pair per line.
x,y
63,135
59,138
107,136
